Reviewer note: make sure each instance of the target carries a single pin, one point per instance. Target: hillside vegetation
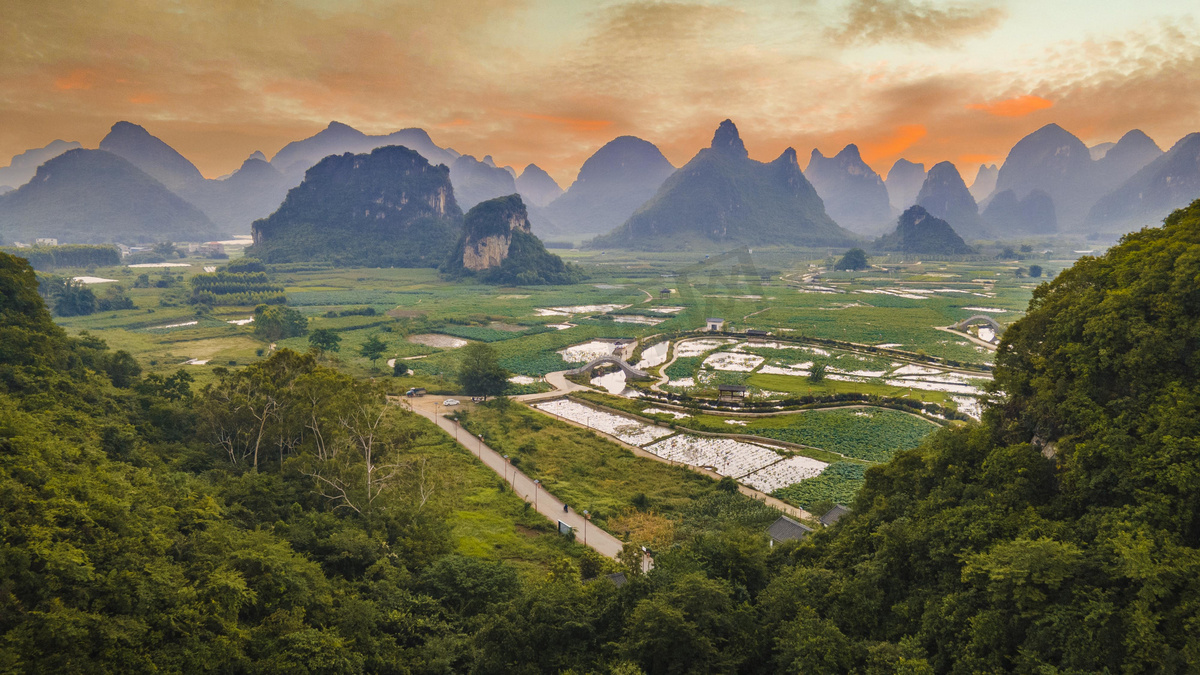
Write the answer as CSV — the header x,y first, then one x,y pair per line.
x,y
153,525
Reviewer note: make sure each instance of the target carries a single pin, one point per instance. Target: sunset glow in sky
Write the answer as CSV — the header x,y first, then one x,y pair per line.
x,y
548,82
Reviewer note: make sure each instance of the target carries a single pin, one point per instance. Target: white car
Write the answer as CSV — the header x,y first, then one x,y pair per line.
x,y
450,401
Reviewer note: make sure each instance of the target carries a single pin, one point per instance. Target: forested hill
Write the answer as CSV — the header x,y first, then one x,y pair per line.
x,y
390,207
150,525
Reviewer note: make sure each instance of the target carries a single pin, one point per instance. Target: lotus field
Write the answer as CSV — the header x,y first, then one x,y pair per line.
x,y
725,456
626,429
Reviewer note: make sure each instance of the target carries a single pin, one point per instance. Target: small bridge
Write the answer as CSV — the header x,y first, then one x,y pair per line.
x,y
980,318
630,371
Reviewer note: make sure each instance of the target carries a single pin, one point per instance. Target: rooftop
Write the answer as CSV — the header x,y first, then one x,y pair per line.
x,y
786,529
834,515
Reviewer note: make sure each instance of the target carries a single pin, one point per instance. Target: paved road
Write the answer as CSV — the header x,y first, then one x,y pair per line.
x,y
561,384
547,504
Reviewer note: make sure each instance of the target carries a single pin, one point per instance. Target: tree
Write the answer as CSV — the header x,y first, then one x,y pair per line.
x,y
399,369
479,371
167,248
325,340
70,297
855,259
817,374
275,322
1035,271
373,348
122,368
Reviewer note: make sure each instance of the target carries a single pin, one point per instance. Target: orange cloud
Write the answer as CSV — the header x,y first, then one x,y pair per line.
x,y
142,99
571,123
79,78
902,139
1013,107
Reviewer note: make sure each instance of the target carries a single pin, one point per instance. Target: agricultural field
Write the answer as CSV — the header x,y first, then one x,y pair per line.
x,y
837,484
629,496
423,320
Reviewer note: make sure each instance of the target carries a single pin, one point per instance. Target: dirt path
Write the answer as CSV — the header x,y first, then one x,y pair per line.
x,y
547,504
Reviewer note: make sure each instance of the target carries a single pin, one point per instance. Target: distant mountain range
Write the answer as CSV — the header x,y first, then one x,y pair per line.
x,y
613,183
22,167
722,197
1169,182
1056,162
854,195
1050,182
985,181
94,196
904,181
944,195
536,186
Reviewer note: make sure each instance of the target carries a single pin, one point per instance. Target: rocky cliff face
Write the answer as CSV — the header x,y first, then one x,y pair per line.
x,y
488,231
497,246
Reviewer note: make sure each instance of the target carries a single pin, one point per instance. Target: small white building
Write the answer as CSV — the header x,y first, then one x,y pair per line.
x,y
714,325
45,241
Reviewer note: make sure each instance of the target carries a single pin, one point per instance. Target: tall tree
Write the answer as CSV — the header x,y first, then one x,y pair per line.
x,y
325,340
373,348
479,371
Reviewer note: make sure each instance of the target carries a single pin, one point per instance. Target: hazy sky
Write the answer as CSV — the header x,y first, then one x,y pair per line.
x,y
549,81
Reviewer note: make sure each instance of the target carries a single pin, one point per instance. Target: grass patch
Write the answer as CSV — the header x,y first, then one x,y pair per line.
x,y
613,484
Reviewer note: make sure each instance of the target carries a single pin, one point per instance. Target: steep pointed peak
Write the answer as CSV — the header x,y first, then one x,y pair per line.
x,y
257,154
816,154
849,152
487,159
727,140
335,125
788,156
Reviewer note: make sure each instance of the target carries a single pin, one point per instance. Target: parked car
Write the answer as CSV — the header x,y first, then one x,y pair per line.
x,y
450,401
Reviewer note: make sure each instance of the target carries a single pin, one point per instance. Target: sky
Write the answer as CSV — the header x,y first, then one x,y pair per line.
x,y
550,81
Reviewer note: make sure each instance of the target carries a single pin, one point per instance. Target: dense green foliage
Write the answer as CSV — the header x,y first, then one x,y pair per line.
x,y
854,259
919,232
45,258
325,340
236,288
239,527
386,208
275,322
479,371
